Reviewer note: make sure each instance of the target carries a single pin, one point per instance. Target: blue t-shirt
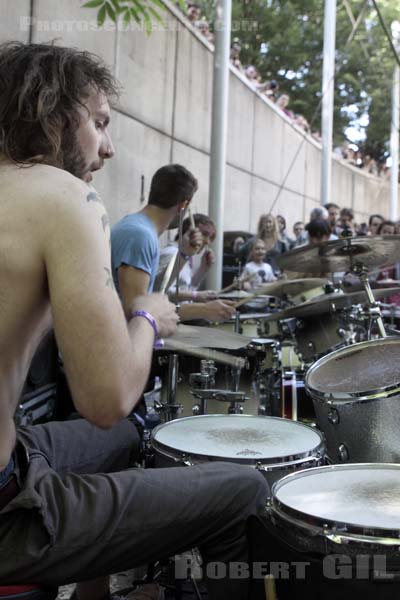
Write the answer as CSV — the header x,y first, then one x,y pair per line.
x,y
134,242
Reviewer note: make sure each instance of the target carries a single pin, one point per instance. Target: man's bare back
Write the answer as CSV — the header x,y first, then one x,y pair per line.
x,y
24,300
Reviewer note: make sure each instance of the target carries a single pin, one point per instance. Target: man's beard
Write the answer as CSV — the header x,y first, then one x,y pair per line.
x,y
73,159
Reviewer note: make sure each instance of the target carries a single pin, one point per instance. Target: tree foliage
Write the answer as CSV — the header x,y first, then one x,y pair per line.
x,y
287,45
141,11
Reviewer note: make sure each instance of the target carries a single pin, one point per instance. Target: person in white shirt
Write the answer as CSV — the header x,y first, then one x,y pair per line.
x,y
257,271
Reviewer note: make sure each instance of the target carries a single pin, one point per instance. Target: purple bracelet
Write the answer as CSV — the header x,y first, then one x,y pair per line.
x,y
158,343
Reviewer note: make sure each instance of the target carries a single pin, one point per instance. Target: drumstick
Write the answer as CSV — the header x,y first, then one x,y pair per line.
x,y
206,353
233,284
269,585
259,292
193,226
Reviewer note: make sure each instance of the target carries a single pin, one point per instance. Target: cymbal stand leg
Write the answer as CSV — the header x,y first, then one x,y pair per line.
x,y
170,407
361,272
235,407
238,326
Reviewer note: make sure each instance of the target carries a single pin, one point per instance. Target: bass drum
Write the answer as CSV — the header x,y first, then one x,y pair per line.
x,y
274,446
332,532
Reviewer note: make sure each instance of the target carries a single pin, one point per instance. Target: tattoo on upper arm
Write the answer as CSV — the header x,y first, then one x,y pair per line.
x,y
105,221
109,280
93,197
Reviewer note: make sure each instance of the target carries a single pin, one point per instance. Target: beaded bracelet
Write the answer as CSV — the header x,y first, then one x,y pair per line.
x,y
158,343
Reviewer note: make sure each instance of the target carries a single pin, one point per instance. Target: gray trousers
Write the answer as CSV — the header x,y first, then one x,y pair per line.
x,y
83,513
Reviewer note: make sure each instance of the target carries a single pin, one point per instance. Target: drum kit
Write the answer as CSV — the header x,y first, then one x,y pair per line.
x,y
328,362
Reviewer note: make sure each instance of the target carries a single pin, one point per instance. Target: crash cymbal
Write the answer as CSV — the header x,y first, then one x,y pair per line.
x,y
208,337
292,287
341,255
329,303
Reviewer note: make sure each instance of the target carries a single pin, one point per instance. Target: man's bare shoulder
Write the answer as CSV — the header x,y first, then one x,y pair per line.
x,y
42,183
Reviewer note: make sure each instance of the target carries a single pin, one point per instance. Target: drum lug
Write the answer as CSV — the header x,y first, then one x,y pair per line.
x,y
333,416
186,460
343,453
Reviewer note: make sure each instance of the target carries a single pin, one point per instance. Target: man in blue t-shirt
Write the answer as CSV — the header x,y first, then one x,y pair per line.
x,y
135,249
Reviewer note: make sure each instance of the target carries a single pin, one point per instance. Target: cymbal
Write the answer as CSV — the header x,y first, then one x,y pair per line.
x,y
208,337
329,303
293,287
341,255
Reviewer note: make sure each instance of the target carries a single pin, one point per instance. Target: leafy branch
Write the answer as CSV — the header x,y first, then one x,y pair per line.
x,y
140,11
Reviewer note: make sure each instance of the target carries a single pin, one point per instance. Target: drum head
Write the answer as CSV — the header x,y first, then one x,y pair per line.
x,y
238,438
358,370
349,497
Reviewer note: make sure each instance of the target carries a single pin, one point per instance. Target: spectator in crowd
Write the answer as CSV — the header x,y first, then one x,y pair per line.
x,y
204,28
387,228
271,89
346,217
267,231
300,234
257,269
282,232
362,229
302,122
374,223
318,231
282,103
333,213
319,213
235,56
193,12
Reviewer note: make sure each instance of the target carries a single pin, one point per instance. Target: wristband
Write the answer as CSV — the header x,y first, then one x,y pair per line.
x,y
158,343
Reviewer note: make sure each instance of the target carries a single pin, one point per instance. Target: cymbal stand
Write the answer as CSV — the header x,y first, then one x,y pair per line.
x,y
238,326
373,310
170,408
202,381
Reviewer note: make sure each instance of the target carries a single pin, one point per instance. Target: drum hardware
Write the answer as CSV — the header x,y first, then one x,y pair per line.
x,y
234,398
202,381
169,408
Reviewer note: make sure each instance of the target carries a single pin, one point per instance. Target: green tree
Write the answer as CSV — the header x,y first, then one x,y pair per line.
x,y
287,46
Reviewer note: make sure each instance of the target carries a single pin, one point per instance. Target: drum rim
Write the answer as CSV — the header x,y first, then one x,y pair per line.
x,y
330,528
351,396
262,462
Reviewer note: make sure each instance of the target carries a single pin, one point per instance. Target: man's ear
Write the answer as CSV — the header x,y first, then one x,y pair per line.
x,y
184,204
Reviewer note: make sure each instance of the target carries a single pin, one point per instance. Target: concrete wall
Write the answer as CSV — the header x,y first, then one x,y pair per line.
x,y
164,116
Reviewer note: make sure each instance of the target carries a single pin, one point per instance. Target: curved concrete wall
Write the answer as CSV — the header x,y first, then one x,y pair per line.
x,y
164,116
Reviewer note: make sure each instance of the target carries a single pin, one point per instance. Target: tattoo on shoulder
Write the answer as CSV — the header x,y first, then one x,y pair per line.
x,y
105,221
93,197
109,280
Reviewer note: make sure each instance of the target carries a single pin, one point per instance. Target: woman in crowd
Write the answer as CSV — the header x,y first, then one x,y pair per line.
x,y
268,232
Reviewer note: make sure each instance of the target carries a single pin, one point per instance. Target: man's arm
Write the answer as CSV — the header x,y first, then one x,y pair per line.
x,y
132,283
107,362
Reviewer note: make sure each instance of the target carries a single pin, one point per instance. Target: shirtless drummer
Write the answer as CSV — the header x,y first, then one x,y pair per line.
x,y
70,511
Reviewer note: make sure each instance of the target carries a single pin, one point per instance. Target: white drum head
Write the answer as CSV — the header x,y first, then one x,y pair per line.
x,y
362,495
242,438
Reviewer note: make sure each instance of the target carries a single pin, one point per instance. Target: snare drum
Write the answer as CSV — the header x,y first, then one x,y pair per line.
x,y
342,523
356,395
272,445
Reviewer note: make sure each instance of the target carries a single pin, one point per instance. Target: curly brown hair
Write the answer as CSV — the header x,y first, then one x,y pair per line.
x,y
42,86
